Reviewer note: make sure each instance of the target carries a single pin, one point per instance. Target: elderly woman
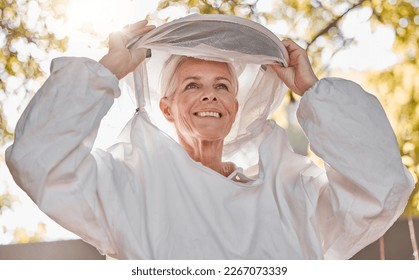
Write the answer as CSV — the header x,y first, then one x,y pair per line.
x,y
155,198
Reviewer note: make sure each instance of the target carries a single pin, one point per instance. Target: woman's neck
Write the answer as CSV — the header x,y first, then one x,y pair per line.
x,y
209,153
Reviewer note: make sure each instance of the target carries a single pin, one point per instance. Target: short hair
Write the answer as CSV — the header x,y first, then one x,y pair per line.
x,y
168,84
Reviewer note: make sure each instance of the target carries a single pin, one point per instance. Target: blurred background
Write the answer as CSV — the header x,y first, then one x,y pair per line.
x,y
372,42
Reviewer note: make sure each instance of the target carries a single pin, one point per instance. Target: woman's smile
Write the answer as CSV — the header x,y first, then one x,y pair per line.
x,y
209,113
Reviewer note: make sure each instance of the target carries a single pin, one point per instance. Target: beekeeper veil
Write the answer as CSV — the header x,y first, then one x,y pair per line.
x,y
247,45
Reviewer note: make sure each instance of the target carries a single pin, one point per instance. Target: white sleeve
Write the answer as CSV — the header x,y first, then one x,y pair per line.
x,y
367,185
51,158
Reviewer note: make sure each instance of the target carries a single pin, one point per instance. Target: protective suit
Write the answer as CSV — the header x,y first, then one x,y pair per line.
x,y
145,198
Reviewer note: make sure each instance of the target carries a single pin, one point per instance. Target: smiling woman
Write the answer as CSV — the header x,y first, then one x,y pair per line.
x,y
228,186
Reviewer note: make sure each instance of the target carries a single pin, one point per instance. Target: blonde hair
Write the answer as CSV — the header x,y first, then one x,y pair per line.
x,y
168,84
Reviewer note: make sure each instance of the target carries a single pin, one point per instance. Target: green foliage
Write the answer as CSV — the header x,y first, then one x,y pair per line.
x,y
6,201
21,235
398,86
23,35
317,25
25,38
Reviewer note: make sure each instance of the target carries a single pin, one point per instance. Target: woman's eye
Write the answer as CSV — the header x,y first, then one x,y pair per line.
x,y
192,86
222,86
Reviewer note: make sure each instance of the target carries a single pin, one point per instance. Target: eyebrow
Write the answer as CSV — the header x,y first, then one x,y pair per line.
x,y
222,78
198,78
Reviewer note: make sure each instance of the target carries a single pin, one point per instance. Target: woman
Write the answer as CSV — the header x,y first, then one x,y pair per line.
x,y
202,107
154,199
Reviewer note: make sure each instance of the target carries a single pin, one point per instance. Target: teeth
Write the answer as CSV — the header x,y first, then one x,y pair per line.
x,y
209,114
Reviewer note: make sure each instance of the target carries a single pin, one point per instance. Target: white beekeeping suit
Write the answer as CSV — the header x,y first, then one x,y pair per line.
x,y
145,198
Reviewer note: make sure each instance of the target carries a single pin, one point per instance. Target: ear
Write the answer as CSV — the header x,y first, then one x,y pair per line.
x,y
165,108
236,105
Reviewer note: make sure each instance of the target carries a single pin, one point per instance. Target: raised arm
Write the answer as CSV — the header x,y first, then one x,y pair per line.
x,y
367,185
51,155
51,159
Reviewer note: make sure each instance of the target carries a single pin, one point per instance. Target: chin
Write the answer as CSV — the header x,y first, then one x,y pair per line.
x,y
210,136
211,132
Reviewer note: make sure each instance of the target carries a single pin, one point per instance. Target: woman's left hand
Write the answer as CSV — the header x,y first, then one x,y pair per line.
x,y
120,60
299,75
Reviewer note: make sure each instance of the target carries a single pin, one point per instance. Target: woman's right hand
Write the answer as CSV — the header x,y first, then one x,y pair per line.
x,y
120,60
299,75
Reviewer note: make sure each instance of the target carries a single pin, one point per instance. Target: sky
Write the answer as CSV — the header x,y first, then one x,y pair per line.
x,y
104,16
371,48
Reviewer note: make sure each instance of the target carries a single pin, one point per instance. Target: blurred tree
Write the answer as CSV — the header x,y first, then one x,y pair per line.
x,y
318,26
398,86
26,36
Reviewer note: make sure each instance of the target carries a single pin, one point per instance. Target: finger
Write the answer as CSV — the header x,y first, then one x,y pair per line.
x,y
280,71
137,28
135,35
119,40
277,67
289,43
291,46
136,24
130,27
146,29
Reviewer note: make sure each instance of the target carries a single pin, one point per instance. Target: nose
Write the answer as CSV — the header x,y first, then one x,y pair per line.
x,y
209,96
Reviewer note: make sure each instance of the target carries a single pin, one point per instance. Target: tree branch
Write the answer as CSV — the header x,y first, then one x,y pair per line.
x,y
334,22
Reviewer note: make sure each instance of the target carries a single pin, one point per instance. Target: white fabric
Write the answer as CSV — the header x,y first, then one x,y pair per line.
x,y
149,200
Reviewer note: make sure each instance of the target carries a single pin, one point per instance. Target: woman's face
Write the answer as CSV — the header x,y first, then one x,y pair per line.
x,y
204,103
